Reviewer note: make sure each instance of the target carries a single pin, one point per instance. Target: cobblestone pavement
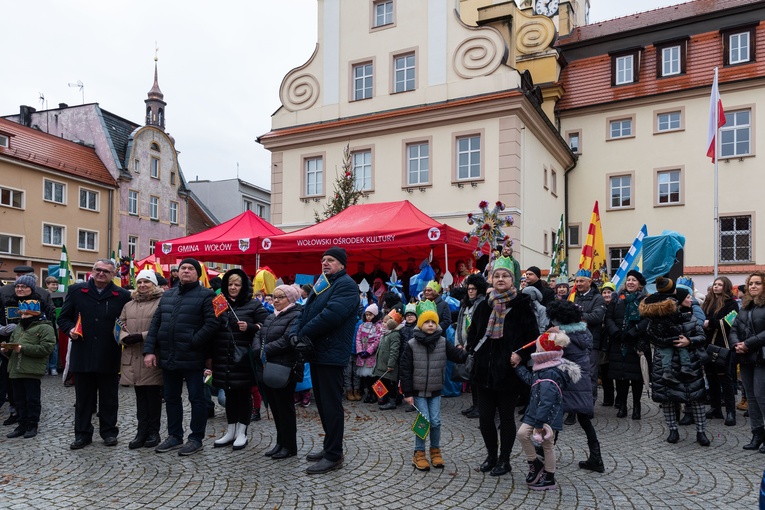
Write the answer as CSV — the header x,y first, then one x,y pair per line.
x,y
642,470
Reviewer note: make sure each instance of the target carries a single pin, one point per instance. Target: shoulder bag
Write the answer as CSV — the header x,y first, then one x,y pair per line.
x,y
275,376
463,372
718,355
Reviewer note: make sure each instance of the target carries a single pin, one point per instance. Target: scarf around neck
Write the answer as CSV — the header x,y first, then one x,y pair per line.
x,y
498,302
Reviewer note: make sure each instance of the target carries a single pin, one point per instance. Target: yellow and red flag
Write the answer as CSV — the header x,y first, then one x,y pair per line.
x,y
220,304
593,256
78,325
203,278
379,389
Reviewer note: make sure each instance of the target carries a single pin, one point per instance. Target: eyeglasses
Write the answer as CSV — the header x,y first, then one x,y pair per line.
x,y
279,297
102,271
471,288
21,287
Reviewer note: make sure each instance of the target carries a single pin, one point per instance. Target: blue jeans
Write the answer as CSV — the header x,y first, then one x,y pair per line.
x,y
430,407
173,386
53,358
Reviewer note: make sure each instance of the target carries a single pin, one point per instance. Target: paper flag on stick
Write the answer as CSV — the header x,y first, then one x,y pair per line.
x,y
220,304
78,325
379,389
731,317
421,426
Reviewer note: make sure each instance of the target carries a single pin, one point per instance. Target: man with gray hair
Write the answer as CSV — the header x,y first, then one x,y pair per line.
x,y
88,316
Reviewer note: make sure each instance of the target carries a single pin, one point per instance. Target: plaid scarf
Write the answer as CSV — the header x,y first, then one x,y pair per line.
x,y
498,302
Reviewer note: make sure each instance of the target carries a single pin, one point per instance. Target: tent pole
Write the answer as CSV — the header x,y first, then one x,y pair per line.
x,y
257,261
446,256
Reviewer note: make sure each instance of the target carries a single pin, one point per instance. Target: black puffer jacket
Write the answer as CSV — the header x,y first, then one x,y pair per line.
x,y
624,361
275,336
231,365
182,328
749,328
491,367
661,315
593,313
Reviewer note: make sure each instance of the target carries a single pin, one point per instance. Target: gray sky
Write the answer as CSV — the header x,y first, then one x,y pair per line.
x,y
220,66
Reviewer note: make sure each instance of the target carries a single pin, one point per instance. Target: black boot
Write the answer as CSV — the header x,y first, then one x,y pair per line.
x,y
139,441
501,468
636,411
730,418
545,483
702,439
467,411
536,469
594,462
622,410
687,419
570,419
673,437
489,463
714,412
758,435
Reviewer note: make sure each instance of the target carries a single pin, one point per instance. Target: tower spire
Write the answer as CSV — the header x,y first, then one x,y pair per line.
x,y
155,104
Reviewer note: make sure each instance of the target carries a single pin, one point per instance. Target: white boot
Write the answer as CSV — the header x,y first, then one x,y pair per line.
x,y
241,436
228,438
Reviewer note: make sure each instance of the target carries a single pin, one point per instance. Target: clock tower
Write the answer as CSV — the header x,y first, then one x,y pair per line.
x,y
565,14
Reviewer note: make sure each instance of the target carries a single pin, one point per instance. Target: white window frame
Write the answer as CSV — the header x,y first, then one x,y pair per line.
x,y
570,240
89,194
404,72
152,246
137,165
91,236
5,141
414,156
154,207
625,69
669,121
735,132
670,61
10,193
630,195
668,182
53,227
174,210
735,234
384,17
739,44
6,244
260,210
469,158
54,186
313,175
621,128
570,136
132,246
154,168
247,204
363,85
612,261
133,202
553,182
361,167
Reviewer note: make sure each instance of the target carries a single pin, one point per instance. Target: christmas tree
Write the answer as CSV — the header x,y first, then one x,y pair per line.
x,y
344,193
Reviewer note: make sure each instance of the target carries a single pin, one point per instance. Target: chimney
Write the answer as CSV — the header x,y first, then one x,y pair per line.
x,y
25,115
63,105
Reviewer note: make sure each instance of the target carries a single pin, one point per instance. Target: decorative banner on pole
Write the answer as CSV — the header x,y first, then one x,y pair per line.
x,y
65,274
631,258
558,264
593,256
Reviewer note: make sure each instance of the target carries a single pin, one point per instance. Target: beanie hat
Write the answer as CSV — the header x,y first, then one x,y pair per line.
x,y
338,254
637,275
608,285
290,292
681,294
161,280
536,271
372,309
193,262
432,284
665,285
426,311
147,274
549,350
23,269
27,280
30,306
410,308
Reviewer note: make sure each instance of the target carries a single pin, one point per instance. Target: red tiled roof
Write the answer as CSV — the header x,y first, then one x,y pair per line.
x,y
650,18
42,149
588,81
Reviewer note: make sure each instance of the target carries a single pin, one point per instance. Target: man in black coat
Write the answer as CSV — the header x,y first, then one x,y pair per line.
x,y
533,275
329,321
180,335
94,356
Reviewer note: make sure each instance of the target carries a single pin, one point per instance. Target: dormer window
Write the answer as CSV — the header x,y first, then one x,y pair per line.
x,y
625,67
5,141
738,45
670,58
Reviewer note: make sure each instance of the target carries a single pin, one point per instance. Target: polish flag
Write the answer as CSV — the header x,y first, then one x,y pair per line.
x,y
716,119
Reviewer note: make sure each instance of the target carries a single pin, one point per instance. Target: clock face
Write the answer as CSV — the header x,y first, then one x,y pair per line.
x,y
546,7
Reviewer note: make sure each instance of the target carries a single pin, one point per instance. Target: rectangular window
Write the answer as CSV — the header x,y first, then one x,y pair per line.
x,y
136,167
154,208
362,170
668,183
573,235
403,68
362,81
314,176
4,141
573,142
248,205
383,13
133,202
545,180
261,210
53,235
11,197
172,178
87,240
621,191
174,213
621,128
54,191
615,257
739,48
418,164
132,246
152,246
553,182
546,246
735,238
736,134
668,121
670,61
10,245
625,69
155,168
88,200
469,157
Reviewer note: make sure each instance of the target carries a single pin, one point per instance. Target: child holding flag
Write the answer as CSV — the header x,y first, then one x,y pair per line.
x,y
422,377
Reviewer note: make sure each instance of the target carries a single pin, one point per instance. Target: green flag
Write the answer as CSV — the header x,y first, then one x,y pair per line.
x,y
731,317
65,274
421,426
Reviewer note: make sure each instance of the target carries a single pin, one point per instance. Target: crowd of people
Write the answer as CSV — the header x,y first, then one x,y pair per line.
x,y
529,348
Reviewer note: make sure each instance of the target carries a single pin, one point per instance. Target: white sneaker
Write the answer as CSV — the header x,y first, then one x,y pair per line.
x,y
54,372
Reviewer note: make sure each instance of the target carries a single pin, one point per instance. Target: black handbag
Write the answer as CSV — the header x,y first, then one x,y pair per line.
x,y
461,372
718,355
275,376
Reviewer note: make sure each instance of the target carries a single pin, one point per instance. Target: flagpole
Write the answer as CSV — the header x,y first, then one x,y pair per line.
x,y
716,211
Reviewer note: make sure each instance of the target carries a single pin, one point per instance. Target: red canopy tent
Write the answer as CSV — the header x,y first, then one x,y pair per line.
x,y
383,232
235,241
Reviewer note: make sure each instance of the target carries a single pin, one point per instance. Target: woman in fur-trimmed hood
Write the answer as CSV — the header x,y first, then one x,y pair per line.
x,y
673,330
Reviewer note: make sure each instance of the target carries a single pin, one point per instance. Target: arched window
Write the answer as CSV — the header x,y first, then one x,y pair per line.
x,y
148,114
161,117
155,146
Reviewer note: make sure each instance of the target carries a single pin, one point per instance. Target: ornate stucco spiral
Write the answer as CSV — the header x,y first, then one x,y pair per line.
x,y
300,91
479,55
